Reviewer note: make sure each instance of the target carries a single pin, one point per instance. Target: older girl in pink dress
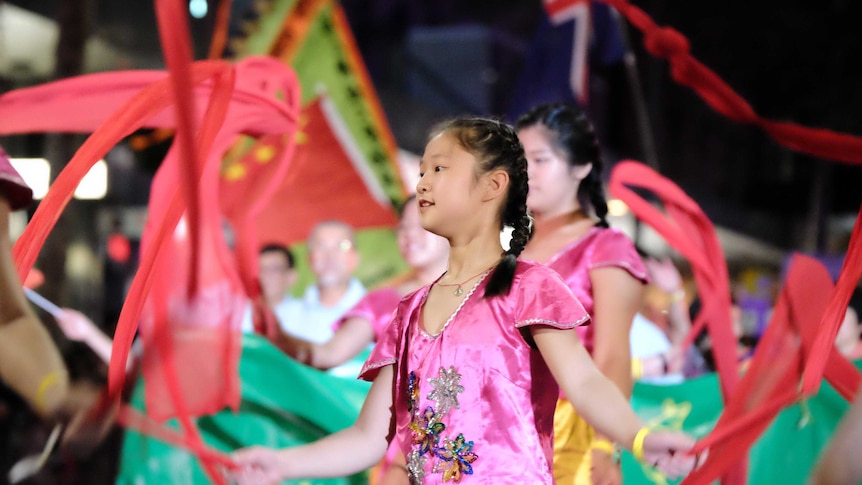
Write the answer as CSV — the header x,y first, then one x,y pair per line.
x,y
465,378
600,266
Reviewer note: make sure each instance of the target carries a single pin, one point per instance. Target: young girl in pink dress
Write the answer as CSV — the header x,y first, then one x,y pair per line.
x,y
465,378
600,266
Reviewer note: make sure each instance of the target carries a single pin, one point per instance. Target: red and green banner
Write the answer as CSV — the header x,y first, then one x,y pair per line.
x,y
345,164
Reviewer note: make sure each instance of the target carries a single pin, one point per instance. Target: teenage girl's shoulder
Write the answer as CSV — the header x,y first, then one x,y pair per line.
x,y
385,295
411,299
541,295
613,241
613,248
531,272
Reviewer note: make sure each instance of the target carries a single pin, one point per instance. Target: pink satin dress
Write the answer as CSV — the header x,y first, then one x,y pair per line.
x,y
599,248
376,308
475,402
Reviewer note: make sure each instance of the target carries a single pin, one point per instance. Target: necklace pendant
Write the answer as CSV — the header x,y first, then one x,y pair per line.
x,y
459,291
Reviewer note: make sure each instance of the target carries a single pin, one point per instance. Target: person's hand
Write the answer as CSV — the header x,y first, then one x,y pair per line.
x,y
604,470
668,451
664,275
675,358
257,466
395,475
88,421
75,325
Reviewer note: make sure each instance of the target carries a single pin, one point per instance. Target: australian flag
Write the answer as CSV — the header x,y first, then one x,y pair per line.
x,y
574,34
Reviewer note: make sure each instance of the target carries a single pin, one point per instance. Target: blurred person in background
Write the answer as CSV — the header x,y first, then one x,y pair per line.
x,y
333,258
277,275
848,339
30,363
425,253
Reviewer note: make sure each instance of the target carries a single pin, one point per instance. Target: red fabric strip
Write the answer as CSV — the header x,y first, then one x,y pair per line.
x,y
687,229
848,279
134,419
773,378
668,43
220,31
176,46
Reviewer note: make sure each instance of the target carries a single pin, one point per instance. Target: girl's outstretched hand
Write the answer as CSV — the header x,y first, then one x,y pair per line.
x,y
668,451
257,466
75,325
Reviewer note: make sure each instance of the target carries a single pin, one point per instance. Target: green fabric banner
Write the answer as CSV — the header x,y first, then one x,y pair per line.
x,y
285,403
785,453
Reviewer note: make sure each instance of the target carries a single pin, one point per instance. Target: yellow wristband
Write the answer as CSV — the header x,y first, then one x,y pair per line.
x,y
637,368
603,445
677,296
49,380
638,443
606,447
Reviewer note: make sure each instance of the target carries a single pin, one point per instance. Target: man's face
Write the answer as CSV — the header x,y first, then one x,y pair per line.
x,y
331,255
276,276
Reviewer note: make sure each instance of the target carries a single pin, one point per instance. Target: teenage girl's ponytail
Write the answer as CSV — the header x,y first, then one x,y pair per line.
x,y
592,188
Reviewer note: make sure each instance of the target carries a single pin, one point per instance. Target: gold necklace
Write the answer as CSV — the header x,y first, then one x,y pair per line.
x,y
460,291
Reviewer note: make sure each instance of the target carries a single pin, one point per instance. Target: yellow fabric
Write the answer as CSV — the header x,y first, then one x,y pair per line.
x,y
637,368
572,438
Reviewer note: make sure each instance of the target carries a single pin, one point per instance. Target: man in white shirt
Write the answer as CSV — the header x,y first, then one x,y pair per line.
x,y
333,259
277,275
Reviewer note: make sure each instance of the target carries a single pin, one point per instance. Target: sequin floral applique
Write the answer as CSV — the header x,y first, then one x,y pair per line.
x,y
456,458
416,467
446,389
412,392
426,430
453,458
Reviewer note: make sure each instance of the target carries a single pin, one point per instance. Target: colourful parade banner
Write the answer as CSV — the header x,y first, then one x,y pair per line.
x,y
344,146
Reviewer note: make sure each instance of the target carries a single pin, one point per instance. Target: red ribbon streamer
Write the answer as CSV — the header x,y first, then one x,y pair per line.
x,y
687,229
670,44
798,343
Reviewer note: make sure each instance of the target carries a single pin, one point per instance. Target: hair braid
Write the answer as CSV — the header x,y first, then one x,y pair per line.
x,y
496,146
517,215
593,189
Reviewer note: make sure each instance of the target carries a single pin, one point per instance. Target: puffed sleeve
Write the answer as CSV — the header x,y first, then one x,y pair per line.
x,y
542,298
376,309
615,249
385,351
